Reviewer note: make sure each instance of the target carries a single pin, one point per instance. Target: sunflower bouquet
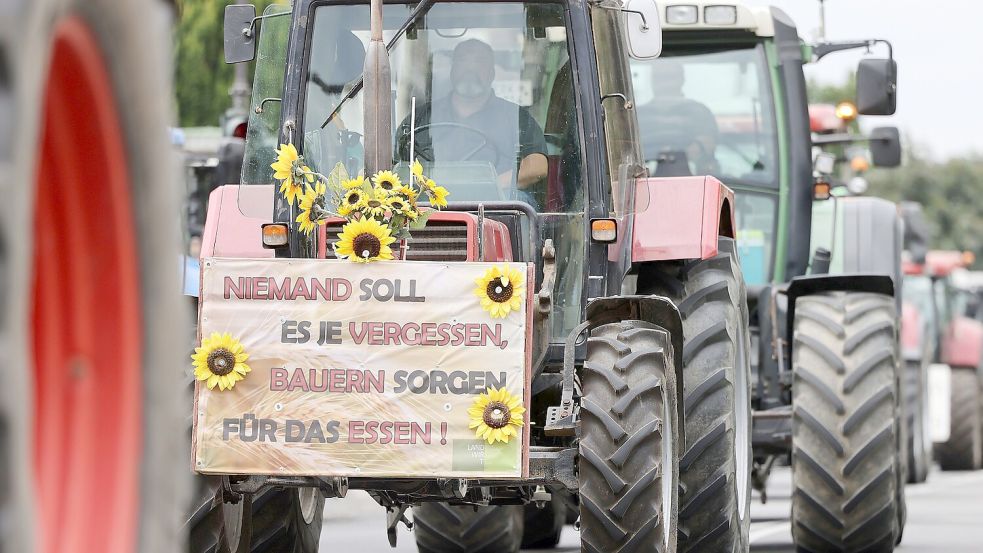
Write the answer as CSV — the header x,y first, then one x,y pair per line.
x,y
379,210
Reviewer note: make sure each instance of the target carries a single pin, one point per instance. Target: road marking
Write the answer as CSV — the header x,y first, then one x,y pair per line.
x,y
769,529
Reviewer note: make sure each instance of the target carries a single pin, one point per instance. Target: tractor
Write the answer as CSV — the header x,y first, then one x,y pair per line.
x,y
728,97
918,343
957,349
637,393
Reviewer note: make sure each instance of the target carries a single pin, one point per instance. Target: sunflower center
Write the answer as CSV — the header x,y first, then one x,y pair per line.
x,y
366,245
498,292
352,198
496,414
221,361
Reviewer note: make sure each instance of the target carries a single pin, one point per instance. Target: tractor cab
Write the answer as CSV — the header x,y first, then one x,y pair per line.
x,y
494,99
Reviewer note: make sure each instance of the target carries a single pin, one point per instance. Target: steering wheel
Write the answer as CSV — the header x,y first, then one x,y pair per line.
x,y
424,148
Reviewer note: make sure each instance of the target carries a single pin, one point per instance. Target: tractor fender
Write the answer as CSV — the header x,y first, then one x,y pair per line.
x,y
817,284
911,332
657,310
680,218
962,345
231,233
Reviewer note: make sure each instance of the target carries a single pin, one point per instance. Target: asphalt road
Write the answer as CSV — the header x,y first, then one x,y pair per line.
x,y
945,515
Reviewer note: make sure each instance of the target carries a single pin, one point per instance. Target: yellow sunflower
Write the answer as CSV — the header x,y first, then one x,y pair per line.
x,y
438,196
308,218
357,182
221,360
364,240
287,168
386,182
373,207
400,206
496,416
353,199
408,192
501,290
417,169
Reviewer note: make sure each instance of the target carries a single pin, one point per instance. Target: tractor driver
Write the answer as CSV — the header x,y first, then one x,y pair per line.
x,y
473,124
671,122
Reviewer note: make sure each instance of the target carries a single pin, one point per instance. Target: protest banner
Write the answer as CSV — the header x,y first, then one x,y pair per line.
x,y
386,369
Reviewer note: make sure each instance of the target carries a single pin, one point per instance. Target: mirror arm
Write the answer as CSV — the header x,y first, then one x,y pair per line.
x,y
627,103
645,23
248,31
844,138
259,108
823,48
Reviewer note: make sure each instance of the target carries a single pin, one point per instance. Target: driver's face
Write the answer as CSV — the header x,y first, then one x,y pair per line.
x,y
472,73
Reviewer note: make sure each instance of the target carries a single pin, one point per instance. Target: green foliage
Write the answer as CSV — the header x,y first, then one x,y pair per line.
x,y
201,77
950,192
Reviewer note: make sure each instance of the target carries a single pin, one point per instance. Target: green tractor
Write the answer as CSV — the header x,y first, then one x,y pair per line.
x,y
728,97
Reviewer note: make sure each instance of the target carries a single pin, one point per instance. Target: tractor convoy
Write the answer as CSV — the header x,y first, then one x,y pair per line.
x,y
511,268
676,292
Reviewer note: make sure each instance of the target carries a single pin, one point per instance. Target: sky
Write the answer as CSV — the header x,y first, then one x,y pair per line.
x,y
938,45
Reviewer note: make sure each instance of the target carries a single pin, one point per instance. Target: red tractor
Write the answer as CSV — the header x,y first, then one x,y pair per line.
x,y
636,356
958,351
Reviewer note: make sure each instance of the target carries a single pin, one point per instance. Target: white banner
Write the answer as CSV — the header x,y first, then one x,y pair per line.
x,y
335,368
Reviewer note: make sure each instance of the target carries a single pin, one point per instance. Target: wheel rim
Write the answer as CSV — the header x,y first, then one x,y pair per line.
x,y
308,503
86,320
668,460
742,439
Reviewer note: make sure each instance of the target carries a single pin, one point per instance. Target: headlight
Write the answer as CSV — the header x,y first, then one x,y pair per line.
x,y
720,15
681,15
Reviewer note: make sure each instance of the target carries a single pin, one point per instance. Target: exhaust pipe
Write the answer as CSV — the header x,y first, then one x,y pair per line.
x,y
377,109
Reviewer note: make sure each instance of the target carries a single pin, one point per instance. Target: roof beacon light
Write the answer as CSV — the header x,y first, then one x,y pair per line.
x,y
846,111
720,15
682,15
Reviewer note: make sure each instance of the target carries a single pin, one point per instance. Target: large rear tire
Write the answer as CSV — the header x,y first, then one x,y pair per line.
x,y
964,448
443,528
629,446
916,409
715,469
846,464
90,327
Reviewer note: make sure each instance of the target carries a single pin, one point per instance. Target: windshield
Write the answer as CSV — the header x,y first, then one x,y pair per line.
x,y
490,88
708,113
482,95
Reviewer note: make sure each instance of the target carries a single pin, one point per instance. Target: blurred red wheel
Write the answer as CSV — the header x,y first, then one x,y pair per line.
x,y
86,314
92,414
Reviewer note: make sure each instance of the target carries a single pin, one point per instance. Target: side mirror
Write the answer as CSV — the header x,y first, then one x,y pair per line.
x,y
643,28
240,38
877,86
885,147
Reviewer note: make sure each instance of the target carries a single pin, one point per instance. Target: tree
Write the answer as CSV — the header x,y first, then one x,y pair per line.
x,y
949,193
201,77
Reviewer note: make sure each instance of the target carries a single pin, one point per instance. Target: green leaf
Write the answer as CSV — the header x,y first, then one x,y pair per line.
x,y
421,220
337,177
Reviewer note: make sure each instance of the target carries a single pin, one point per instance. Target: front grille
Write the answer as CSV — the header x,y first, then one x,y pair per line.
x,y
438,241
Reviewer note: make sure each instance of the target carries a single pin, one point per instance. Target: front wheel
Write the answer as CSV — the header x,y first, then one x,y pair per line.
x,y
846,463
443,528
964,448
273,521
916,407
629,447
